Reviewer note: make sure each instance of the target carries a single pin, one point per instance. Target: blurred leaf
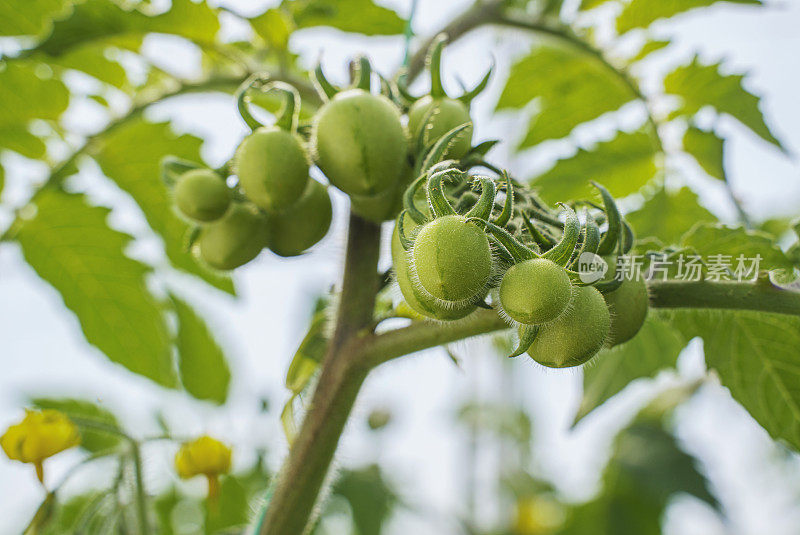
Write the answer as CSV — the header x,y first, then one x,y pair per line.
x,y
503,420
28,93
81,512
232,509
642,13
653,349
26,17
311,351
106,22
370,497
648,48
703,85
591,4
140,176
717,239
357,16
707,148
571,86
757,359
201,362
164,504
288,420
667,216
274,26
623,165
91,59
70,246
91,440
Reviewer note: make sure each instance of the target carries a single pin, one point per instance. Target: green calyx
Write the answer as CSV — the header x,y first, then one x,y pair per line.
x,y
286,118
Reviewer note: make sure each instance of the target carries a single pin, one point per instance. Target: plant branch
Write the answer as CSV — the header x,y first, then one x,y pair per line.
x,y
343,372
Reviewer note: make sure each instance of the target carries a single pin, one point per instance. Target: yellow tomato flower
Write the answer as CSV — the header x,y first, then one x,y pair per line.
x,y
41,434
204,456
538,515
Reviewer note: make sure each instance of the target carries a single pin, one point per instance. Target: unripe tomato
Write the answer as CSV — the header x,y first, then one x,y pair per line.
x,y
450,114
417,300
535,291
628,305
577,334
385,205
235,239
272,167
360,143
452,258
202,195
304,224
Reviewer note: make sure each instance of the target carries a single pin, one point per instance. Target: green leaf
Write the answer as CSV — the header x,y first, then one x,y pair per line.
x,y
653,349
370,496
91,440
733,242
201,362
708,149
701,85
357,16
312,349
24,17
140,176
70,246
231,509
623,165
642,13
667,216
648,48
274,27
105,22
757,359
591,4
91,59
571,86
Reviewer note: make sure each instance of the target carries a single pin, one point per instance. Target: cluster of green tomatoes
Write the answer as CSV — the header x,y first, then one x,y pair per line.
x,y
462,240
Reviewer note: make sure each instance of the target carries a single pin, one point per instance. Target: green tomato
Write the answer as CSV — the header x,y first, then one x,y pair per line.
x,y
304,224
452,258
360,143
272,166
383,206
451,113
628,305
235,239
202,195
535,291
576,335
418,301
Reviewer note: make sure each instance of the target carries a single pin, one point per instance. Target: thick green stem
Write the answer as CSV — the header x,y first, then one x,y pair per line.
x,y
343,372
761,296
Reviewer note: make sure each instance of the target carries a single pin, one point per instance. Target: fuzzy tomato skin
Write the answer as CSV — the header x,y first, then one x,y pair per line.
x,y
628,305
451,113
535,291
415,299
575,336
303,225
385,205
202,195
235,239
360,143
452,258
272,166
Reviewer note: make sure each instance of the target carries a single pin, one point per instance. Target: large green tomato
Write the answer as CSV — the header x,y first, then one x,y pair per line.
x,y
360,143
202,195
576,335
449,113
304,224
628,305
272,166
235,239
452,258
535,291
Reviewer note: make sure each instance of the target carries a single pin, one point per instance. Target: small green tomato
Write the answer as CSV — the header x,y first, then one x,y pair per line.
x,y
202,195
452,258
448,113
360,143
628,305
535,291
575,336
272,167
303,225
235,239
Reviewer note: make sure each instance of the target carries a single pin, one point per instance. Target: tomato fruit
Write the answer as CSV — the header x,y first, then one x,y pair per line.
x,y
535,291
443,115
303,225
202,195
235,239
577,334
272,166
628,305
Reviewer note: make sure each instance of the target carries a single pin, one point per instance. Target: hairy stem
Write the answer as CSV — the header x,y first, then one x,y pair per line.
x,y
343,372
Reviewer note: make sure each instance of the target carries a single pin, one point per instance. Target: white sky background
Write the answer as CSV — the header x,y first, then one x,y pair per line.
x,y
43,351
